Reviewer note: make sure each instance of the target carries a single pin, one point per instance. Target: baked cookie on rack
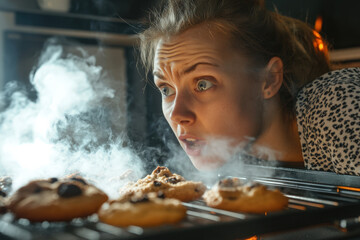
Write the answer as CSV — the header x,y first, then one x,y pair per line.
x,y
56,199
170,184
143,210
234,195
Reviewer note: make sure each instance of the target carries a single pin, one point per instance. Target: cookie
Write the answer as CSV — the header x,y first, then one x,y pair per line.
x,y
234,195
170,184
146,210
56,199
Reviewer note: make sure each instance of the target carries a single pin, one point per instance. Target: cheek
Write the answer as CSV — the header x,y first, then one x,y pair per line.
x,y
238,116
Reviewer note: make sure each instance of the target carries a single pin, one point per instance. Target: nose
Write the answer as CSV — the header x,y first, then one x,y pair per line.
x,y
182,111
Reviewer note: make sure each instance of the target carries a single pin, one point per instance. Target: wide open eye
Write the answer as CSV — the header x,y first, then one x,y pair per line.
x,y
166,91
203,85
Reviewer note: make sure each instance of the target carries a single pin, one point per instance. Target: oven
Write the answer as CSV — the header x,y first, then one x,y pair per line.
x,y
322,205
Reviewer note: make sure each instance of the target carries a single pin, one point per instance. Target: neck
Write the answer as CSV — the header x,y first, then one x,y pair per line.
x,y
280,136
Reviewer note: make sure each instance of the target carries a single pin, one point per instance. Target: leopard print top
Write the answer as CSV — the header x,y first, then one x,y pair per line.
x,y
328,120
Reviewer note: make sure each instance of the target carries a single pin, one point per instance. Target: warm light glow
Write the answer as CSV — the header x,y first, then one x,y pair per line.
x,y
318,24
298,207
307,203
252,238
317,35
347,188
318,42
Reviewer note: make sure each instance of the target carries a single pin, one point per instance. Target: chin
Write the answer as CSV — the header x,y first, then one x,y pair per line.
x,y
207,163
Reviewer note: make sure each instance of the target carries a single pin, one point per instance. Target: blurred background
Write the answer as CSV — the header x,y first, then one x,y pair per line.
x,y
106,29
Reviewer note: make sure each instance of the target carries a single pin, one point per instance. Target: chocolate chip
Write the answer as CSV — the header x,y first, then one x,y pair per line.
x,y
53,179
229,182
37,189
139,200
160,194
157,184
159,169
172,180
79,179
3,194
67,190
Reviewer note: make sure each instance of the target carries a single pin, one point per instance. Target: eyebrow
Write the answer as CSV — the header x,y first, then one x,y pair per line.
x,y
193,67
187,70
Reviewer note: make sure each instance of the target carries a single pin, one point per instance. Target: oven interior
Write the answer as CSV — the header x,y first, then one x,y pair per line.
x,y
321,206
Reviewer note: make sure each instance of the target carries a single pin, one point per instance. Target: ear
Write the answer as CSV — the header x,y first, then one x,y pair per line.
x,y
273,77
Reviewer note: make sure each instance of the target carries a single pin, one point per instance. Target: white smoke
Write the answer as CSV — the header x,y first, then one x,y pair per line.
x,y
65,130
230,159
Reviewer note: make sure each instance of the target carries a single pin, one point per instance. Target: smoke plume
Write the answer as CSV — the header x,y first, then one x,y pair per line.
x,y
68,128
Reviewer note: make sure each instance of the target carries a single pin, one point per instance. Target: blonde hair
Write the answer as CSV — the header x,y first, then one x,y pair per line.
x,y
257,32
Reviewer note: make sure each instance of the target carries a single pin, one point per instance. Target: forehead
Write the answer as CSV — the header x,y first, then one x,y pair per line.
x,y
201,41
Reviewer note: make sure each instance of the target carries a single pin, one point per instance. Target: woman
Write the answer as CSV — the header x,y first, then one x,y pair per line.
x,y
232,72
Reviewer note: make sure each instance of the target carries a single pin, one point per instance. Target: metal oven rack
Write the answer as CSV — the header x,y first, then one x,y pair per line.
x,y
310,204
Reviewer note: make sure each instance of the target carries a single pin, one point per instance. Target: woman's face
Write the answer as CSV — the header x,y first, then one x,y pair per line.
x,y
210,100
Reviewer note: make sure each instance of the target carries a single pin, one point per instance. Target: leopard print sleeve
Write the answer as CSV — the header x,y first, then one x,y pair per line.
x,y
328,120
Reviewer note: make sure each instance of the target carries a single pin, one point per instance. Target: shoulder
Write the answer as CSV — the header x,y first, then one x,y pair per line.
x,y
334,91
334,86
328,117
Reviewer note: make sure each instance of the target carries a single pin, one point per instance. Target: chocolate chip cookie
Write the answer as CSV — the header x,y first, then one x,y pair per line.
x,y
170,184
234,195
56,199
146,210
